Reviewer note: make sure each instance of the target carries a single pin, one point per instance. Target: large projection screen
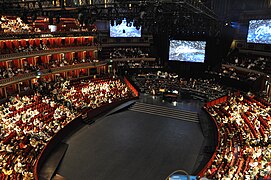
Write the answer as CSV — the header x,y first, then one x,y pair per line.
x,y
187,51
123,30
259,31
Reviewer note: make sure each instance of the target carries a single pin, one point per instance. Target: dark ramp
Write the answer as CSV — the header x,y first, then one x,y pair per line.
x,y
132,145
49,167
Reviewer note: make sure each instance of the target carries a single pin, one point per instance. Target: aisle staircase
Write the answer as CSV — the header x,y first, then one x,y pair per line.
x,y
167,112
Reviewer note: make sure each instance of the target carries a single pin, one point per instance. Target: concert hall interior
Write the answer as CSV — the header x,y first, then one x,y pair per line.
x,y
135,90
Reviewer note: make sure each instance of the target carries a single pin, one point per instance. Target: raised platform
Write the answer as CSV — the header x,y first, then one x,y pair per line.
x,y
127,144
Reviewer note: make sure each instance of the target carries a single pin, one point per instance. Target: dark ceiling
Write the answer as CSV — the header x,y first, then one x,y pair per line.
x,y
172,14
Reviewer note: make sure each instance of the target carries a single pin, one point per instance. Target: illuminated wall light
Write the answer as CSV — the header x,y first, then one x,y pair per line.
x,y
105,3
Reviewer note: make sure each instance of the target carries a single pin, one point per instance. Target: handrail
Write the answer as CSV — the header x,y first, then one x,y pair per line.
x,y
12,56
243,69
133,59
44,34
211,103
45,72
201,173
131,86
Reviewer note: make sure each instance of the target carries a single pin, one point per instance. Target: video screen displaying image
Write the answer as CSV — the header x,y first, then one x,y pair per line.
x,y
123,30
188,51
259,31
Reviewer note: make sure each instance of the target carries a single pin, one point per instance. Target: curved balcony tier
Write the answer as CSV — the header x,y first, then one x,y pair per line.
x,y
45,72
20,55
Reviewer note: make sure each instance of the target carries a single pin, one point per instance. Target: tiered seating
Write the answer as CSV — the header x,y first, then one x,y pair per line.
x,y
254,62
203,88
93,94
28,123
244,131
126,52
157,83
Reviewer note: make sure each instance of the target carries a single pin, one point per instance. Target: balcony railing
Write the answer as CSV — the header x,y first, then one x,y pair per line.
x,y
28,76
12,56
24,35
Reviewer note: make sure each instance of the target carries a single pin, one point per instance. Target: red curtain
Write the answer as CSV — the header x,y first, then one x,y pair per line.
x,y
51,40
71,40
2,64
84,71
16,62
1,44
69,56
91,54
37,42
58,41
44,40
31,42
67,41
30,60
16,43
76,73
83,40
79,40
57,56
43,59
23,42
90,39
81,55
9,44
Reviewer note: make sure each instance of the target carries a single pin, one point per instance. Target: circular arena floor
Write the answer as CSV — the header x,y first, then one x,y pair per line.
x,y
135,145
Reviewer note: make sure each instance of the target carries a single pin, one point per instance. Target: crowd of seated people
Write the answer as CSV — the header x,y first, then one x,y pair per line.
x,y
128,53
205,89
91,94
244,148
234,74
63,62
31,48
157,83
137,64
27,123
125,52
41,46
27,48
14,25
13,71
253,62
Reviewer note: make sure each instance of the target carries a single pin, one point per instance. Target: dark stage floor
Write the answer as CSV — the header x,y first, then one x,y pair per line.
x,y
134,145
